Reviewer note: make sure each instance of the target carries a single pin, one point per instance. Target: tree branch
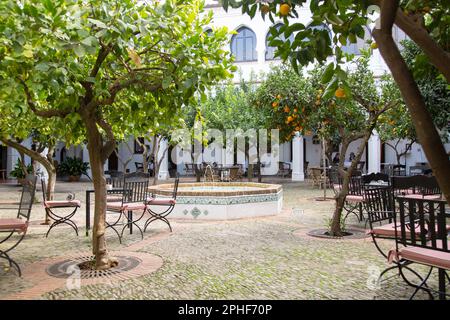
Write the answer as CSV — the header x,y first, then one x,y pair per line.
x,y
110,144
388,13
32,154
42,113
417,32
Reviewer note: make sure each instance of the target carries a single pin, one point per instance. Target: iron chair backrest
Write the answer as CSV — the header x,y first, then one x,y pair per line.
x,y
135,187
421,223
175,186
399,170
418,169
368,178
355,182
379,204
419,184
27,197
115,179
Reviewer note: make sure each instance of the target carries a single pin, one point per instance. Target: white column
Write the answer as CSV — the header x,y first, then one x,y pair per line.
x,y
297,158
374,146
164,167
261,47
11,160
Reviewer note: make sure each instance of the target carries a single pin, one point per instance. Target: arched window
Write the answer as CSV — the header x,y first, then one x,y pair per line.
x,y
320,27
243,45
270,51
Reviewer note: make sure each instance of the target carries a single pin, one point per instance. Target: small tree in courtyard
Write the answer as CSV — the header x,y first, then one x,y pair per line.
x,y
89,62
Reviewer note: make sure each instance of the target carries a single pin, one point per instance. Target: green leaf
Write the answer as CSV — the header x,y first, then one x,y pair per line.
x,y
98,23
43,66
166,82
79,50
328,73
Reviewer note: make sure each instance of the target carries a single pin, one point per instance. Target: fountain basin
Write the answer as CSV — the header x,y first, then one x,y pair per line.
x,y
223,200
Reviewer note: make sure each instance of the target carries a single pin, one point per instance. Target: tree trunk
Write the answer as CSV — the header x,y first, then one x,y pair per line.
x,y
96,150
335,229
427,134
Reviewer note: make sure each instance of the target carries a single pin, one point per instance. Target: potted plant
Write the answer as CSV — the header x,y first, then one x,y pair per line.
x,y
19,171
73,168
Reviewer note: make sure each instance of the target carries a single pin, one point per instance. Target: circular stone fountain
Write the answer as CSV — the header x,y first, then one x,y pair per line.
x,y
222,200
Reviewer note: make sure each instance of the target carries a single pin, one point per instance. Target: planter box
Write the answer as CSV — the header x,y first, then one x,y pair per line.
x,y
74,178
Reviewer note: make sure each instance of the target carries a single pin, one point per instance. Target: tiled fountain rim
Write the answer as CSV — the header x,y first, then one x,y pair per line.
x,y
259,188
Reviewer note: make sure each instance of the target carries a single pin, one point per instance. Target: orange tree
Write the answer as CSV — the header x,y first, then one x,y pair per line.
x,y
103,65
285,96
424,21
297,103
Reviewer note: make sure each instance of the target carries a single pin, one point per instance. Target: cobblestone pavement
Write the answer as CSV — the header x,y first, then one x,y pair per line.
x,y
264,258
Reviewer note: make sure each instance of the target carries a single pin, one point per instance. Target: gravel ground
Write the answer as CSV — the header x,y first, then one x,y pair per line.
x,y
265,258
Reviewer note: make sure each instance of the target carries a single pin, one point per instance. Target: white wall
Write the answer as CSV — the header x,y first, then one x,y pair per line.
x,y
412,157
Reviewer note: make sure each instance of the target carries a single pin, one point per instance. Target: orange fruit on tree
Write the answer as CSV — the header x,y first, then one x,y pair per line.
x,y
285,9
339,93
265,9
278,96
289,119
275,104
286,109
295,110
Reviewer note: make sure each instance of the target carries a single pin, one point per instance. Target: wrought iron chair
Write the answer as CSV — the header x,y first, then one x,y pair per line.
x,y
168,204
19,225
399,170
189,168
116,181
139,167
422,237
380,208
354,200
55,205
419,186
284,169
134,195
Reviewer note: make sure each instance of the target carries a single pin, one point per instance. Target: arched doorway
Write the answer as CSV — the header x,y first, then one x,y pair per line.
x,y
113,162
3,161
63,154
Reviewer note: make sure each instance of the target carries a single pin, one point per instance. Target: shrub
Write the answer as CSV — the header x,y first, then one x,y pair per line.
x,y
73,167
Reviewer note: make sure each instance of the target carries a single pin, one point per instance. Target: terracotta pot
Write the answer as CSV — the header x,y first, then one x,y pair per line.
x,y
74,178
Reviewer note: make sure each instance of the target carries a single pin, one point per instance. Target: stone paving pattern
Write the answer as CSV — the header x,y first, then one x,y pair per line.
x,y
263,258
